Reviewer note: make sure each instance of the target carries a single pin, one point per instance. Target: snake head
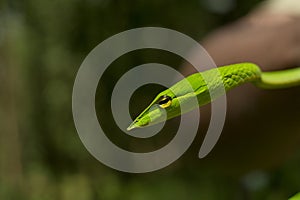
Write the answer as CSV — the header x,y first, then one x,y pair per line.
x,y
165,106
181,98
158,111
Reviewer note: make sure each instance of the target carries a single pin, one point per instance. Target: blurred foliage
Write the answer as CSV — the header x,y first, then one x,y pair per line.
x,y
42,44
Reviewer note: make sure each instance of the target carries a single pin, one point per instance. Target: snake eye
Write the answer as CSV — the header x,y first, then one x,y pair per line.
x,y
165,101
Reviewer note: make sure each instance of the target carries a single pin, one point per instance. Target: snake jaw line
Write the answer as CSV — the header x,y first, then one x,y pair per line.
x,y
132,126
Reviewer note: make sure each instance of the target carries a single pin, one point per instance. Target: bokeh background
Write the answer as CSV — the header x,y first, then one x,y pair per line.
x,y
42,44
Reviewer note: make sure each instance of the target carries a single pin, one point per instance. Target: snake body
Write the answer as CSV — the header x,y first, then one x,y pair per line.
x,y
207,86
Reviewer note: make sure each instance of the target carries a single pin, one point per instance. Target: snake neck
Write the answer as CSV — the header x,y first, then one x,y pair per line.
x,y
211,84
238,74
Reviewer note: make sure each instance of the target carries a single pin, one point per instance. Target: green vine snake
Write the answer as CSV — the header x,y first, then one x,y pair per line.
x,y
204,83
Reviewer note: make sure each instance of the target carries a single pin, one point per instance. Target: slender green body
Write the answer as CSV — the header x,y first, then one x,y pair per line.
x,y
201,88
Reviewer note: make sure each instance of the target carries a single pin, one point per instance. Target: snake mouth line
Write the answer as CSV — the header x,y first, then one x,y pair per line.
x,y
132,126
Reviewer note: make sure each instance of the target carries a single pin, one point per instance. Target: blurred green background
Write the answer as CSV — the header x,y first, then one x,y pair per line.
x,y
42,44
